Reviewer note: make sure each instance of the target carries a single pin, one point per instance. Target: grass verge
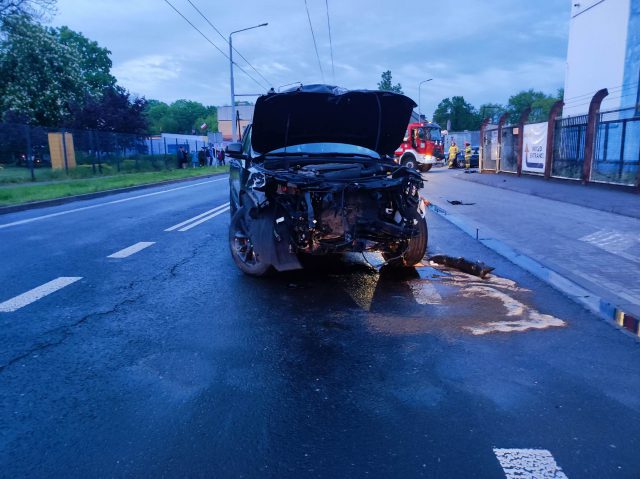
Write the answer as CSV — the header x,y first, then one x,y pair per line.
x,y
59,189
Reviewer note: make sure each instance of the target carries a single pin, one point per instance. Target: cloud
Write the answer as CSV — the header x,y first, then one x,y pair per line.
x,y
484,51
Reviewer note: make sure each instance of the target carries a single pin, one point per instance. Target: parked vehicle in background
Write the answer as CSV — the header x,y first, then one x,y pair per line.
x,y
475,157
422,146
312,176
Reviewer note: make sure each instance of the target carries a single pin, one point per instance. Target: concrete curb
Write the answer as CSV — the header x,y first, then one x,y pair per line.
x,y
88,196
594,303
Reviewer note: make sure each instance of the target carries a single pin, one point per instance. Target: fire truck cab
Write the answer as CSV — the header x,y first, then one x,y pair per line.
x,y
422,146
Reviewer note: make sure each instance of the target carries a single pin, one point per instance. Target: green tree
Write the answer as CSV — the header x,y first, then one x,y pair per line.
x,y
39,76
386,84
493,111
95,64
27,8
182,116
461,114
539,102
113,110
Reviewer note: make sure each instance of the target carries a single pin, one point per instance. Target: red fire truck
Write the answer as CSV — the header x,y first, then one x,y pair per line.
x,y
422,146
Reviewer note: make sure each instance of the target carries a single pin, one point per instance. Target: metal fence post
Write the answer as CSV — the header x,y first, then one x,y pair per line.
x,y
483,127
30,158
590,138
64,152
551,132
524,117
501,123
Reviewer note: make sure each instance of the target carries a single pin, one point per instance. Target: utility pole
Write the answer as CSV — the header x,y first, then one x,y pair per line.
x,y
234,133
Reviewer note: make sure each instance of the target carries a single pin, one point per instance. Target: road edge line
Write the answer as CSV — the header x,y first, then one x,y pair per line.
x,y
594,303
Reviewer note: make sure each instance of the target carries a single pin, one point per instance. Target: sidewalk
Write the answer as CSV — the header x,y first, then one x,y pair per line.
x,y
583,240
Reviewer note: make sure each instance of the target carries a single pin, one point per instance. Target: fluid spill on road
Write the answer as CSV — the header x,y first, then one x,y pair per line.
x,y
519,317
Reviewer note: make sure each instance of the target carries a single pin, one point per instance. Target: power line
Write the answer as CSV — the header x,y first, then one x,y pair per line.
x,y
315,45
622,87
333,71
227,42
213,44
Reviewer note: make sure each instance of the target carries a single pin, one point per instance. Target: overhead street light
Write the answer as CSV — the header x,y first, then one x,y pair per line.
x,y
234,135
420,96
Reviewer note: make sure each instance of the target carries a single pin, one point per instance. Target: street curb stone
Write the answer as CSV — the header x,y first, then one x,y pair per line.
x,y
98,194
596,304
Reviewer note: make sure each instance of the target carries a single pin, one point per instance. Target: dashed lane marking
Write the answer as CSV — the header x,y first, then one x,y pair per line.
x,y
195,218
123,200
123,253
35,294
529,464
206,218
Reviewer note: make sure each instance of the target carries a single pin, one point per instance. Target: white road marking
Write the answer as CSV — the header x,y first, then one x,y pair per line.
x,y
179,225
84,208
614,242
35,294
529,464
206,218
123,253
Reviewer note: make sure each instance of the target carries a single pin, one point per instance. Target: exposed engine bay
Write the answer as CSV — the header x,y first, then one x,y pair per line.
x,y
320,206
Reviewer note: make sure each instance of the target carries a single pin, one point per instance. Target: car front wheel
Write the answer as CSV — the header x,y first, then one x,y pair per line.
x,y
416,248
241,246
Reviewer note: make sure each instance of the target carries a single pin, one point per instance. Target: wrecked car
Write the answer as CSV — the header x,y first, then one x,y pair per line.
x,y
313,176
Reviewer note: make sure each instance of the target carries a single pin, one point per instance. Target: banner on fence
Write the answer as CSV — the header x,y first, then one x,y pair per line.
x,y
534,147
62,154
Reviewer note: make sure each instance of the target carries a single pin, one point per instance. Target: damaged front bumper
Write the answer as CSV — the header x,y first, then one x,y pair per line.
x,y
330,208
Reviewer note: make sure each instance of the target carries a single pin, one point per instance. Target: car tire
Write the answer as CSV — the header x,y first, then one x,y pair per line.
x,y
241,248
409,161
416,249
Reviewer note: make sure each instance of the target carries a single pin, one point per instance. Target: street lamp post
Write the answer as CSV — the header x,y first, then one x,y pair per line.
x,y
234,136
420,96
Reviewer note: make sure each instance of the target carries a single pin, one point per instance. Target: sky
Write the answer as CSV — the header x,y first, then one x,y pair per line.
x,y
483,50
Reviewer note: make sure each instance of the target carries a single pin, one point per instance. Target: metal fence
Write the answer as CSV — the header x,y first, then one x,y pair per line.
x,y
25,153
491,148
568,147
509,150
617,148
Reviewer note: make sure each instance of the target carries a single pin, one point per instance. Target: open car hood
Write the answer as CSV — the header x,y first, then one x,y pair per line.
x,y
376,120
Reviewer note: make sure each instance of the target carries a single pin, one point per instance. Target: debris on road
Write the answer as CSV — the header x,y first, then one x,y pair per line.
x,y
477,268
457,203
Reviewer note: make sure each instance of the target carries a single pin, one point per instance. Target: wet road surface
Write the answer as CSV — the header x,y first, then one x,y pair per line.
x,y
168,362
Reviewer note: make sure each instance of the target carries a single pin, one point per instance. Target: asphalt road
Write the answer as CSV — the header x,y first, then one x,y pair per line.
x,y
166,361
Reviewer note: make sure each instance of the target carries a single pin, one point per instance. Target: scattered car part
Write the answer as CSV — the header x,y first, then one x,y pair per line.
x,y
477,268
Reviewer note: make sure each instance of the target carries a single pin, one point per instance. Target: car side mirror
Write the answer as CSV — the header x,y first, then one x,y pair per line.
x,y
234,150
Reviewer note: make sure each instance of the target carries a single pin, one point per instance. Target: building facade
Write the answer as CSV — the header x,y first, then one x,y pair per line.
x,y
603,52
245,113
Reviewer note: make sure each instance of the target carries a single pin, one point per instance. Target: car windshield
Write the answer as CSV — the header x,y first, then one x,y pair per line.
x,y
433,134
327,148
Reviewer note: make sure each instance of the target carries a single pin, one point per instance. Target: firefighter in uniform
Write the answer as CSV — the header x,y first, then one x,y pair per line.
x,y
467,156
453,153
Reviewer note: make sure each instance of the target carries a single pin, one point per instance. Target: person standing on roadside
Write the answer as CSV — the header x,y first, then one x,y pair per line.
x,y
181,157
467,156
453,153
221,156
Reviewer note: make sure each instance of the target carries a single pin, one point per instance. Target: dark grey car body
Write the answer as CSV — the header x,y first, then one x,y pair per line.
x,y
313,177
